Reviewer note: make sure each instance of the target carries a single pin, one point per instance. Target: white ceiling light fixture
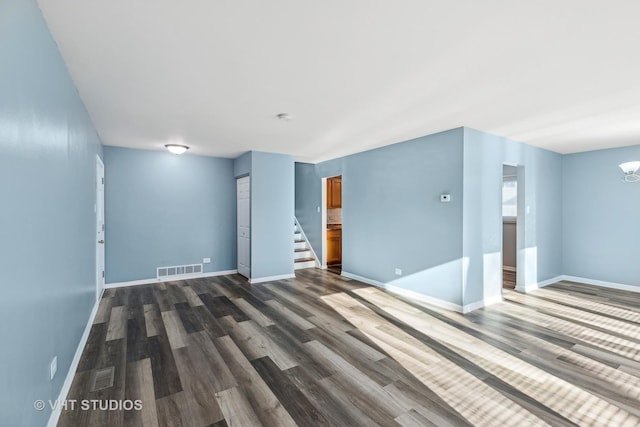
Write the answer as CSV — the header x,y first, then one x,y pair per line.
x,y
176,148
630,169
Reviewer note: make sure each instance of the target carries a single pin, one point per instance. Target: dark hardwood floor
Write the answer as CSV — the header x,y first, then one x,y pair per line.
x,y
335,269
508,278
323,350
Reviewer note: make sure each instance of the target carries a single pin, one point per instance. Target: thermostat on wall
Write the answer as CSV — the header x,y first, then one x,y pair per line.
x,y
445,198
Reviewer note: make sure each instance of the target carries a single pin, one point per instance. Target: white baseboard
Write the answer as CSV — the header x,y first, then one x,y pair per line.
x,y
586,281
362,279
541,284
468,308
493,300
66,386
405,292
417,296
181,277
611,285
271,278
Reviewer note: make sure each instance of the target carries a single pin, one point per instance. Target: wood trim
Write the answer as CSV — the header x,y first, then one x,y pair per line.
x,y
271,278
183,277
604,284
405,292
541,284
68,380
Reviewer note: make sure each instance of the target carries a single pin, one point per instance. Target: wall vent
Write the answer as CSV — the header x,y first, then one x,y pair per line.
x,y
177,271
103,378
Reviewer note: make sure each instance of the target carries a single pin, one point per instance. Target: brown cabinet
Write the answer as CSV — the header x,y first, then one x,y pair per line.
x,y
334,247
334,192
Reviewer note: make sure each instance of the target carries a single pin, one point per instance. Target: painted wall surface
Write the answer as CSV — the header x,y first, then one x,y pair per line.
x,y
165,210
272,212
601,217
242,165
392,215
539,204
308,197
48,150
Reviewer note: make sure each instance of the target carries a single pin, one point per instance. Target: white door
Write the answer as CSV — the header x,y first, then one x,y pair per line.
x,y
244,226
99,227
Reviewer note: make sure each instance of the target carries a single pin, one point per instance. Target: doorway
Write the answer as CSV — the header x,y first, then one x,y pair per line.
x,y
509,226
243,187
332,223
99,227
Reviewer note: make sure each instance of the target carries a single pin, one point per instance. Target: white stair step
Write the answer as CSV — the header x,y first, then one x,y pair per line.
x,y
300,245
302,254
305,264
297,236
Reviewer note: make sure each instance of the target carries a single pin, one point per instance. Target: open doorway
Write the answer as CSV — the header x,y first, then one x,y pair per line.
x,y
509,226
332,223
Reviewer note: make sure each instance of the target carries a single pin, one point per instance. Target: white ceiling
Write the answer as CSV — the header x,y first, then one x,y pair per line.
x,y
354,74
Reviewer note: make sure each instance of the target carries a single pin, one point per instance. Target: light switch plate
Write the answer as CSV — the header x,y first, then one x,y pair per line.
x,y
445,198
206,260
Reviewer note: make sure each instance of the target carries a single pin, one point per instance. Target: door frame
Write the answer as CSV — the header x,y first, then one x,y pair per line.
x,y
99,211
323,216
520,227
248,177
523,211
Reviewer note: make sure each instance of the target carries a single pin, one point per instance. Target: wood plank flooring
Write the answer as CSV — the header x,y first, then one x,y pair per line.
x,y
508,279
324,350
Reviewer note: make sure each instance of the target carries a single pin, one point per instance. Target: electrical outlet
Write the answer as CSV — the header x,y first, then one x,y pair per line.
x,y
206,260
53,367
398,272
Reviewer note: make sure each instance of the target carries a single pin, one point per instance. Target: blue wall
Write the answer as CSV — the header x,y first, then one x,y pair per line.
x,y
242,165
601,217
48,150
308,191
541,210
164,210
393,218
272,212
392,214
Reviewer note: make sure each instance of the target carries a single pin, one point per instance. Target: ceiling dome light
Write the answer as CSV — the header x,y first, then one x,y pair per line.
x,y
176,148
630,169
284,116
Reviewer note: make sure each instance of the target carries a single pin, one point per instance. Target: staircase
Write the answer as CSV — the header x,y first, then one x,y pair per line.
x,y
302,256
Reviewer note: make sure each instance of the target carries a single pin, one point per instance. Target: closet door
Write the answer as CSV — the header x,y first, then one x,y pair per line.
x,y
244,226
